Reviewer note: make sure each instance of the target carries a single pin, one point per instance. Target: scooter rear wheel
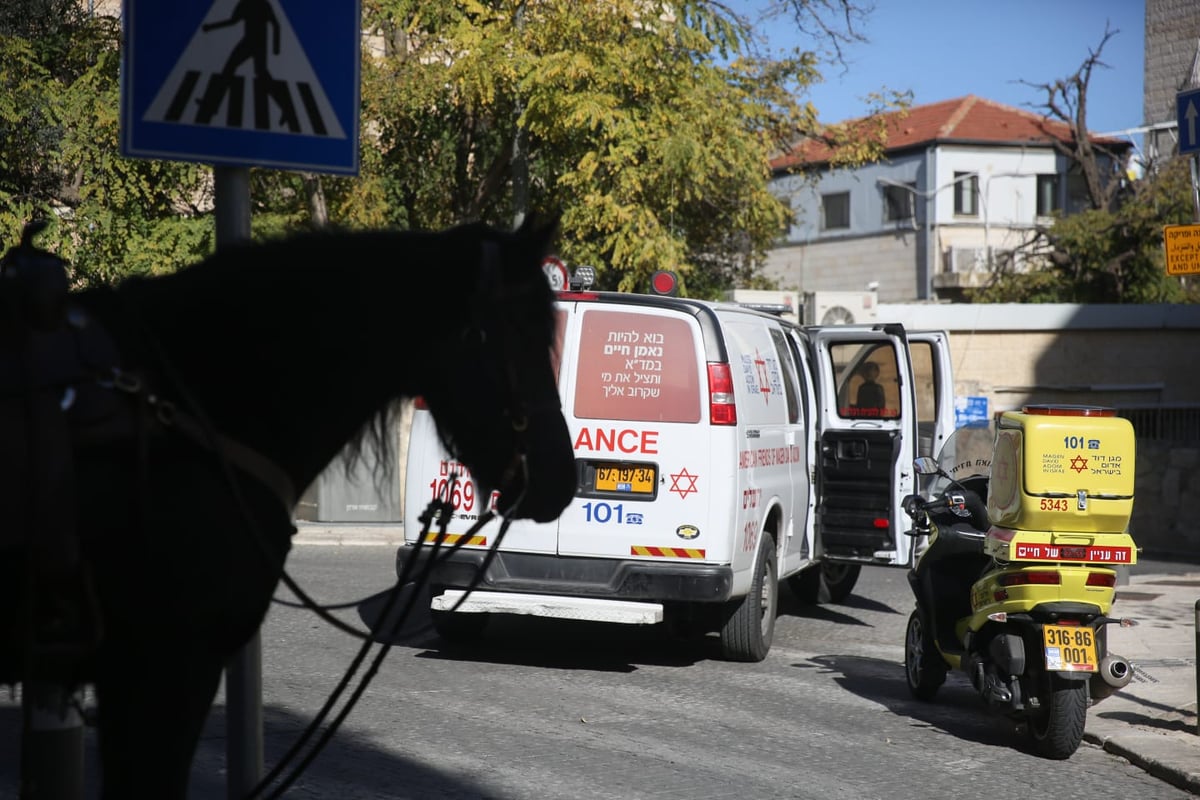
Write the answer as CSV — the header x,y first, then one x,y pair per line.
x,y
924,669
1057,730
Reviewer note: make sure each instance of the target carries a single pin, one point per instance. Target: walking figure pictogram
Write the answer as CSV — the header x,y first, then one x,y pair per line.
x,y
260,29
256,16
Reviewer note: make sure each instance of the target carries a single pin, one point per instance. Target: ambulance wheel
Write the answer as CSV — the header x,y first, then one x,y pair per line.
x,y
837,581
924,669
750,621
1057,729
806,585
826,583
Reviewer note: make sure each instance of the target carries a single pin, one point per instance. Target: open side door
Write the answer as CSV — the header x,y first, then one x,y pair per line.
x,y
933,387
869,435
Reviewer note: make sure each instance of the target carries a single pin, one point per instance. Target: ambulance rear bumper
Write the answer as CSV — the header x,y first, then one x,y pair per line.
x,y
605,578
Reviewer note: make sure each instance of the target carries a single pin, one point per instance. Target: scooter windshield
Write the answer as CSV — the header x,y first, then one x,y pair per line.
x,y
967,454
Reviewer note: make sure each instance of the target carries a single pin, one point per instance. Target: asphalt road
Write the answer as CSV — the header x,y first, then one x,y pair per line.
x,y
549,709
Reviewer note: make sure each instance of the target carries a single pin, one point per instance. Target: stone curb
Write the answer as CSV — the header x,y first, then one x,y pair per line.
x,y
1164,757
348,535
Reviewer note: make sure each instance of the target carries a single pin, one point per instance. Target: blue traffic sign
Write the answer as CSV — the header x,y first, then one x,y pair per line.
x,y
1188,106
242,83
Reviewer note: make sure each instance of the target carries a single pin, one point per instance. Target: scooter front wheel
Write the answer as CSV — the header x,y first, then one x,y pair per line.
x,y
924,669
1057,729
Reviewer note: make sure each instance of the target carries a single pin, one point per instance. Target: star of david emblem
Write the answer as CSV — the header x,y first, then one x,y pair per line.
x,y
683,482
764,384
1079,463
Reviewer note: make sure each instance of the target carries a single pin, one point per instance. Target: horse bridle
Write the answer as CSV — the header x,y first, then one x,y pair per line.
x,y
496,343
439,511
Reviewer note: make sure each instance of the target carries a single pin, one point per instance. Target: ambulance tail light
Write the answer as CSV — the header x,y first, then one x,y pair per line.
x,y
721,408
419,403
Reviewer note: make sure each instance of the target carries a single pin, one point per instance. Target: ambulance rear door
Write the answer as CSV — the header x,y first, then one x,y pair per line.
x,y
867,441
636,402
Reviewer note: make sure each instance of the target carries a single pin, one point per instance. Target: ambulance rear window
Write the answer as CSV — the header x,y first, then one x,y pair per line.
x,y
636,367
867,379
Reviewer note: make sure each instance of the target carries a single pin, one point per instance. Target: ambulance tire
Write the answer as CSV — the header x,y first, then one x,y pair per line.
x,y
837,581
827,583
749,625
806,585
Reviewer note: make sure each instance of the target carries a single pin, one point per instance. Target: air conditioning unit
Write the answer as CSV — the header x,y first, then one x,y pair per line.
x,y
840,308
969,259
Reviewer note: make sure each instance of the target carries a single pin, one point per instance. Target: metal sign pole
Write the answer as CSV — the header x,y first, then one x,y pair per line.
x,y
243,672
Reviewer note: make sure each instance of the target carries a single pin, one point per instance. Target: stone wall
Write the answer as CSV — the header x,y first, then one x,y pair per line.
x,y
1172,31
1166,505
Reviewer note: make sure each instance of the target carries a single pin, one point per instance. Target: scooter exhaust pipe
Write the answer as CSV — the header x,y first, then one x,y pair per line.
x,y
1114,673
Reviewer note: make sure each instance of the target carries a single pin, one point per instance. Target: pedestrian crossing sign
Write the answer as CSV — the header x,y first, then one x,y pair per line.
x,y
242,82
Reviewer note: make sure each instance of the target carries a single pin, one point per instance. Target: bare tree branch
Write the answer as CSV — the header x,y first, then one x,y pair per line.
x,y
1066,101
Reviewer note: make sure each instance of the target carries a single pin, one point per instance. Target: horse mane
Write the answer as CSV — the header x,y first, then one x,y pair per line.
x,y
372,307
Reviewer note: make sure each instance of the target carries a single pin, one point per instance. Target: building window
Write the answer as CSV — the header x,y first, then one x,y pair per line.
x,y
1047,195
898,205
836,208
966,194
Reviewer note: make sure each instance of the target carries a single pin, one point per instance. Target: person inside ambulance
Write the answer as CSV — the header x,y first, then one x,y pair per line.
x,y
870,393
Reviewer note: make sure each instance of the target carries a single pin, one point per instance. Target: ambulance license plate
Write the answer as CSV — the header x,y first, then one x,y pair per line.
x,y
1069,648
625,478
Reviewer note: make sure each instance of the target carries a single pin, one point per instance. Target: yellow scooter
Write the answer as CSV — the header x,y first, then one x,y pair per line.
x,y
1026,522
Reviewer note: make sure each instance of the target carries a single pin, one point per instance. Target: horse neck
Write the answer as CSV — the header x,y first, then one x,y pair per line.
x,y
292,348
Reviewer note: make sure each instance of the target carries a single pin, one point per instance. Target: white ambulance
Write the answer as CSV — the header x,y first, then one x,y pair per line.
x,y
719,451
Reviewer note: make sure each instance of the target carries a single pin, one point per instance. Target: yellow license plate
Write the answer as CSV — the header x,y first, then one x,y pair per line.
x,y
1069,648
617,478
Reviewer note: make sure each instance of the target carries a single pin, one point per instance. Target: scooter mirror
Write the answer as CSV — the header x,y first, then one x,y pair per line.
x,y
924,465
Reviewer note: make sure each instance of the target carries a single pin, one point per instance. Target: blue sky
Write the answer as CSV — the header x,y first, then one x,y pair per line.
x,y
941,49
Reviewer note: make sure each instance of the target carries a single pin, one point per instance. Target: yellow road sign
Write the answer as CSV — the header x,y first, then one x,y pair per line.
x,y
1181,243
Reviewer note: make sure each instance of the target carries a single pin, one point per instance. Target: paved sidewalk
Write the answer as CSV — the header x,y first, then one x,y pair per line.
x,y
390,534
1151,722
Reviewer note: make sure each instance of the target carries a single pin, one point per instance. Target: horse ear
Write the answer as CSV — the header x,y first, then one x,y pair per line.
x,y
541,229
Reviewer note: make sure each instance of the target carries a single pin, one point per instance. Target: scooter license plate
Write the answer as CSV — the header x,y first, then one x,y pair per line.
x,y
1069,648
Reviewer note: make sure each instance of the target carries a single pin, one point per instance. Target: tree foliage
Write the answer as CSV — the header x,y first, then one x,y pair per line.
x,y
649,126
59,131
1103,256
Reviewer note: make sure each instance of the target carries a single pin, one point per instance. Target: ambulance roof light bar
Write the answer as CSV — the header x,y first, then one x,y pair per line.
x,y
583,278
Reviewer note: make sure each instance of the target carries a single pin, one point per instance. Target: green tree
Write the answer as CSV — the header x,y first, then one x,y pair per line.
x,y
649,126
59,152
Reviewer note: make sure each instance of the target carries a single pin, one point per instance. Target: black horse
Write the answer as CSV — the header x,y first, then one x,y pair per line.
x,y
189,409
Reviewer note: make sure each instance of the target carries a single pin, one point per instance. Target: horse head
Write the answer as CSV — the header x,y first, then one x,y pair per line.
x,y
495,397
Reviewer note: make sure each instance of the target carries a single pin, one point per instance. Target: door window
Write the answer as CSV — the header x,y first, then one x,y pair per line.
x,y
867,379
788,363
925,379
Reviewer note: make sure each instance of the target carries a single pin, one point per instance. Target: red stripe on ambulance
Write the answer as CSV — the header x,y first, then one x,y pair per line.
x,y
666,552
455,538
